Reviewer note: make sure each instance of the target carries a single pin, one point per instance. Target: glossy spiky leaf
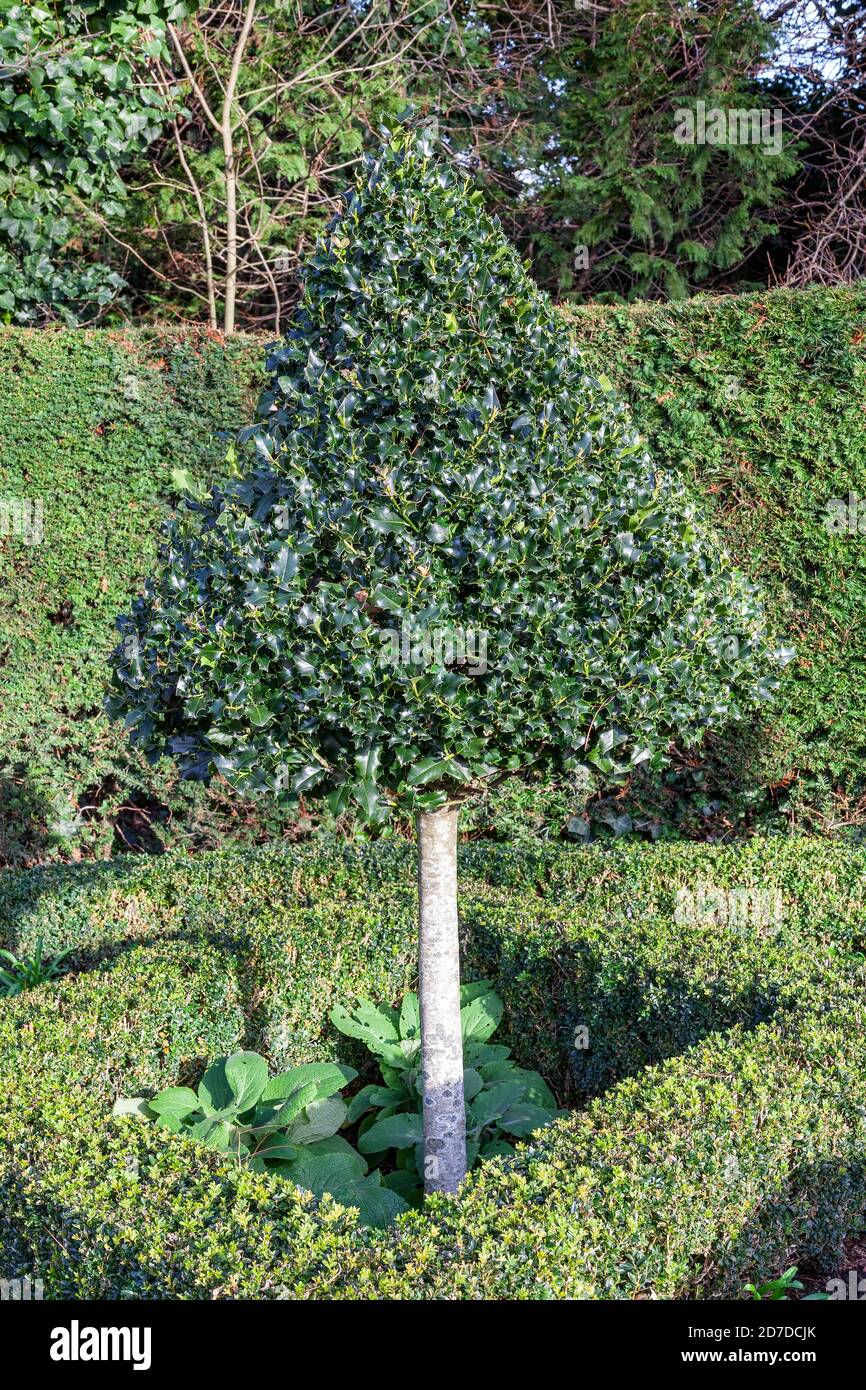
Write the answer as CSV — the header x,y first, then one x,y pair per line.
x,y
451,554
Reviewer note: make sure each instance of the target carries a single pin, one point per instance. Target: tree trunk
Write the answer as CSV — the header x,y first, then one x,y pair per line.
x,y
231,168
439,993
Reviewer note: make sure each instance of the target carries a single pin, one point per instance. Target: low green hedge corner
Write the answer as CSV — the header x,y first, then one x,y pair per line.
x,y
711,1058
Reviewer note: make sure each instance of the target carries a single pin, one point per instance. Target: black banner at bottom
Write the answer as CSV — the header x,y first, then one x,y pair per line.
x,y
226,1337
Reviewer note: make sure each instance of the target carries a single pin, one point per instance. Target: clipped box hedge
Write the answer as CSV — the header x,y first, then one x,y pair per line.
x,y
719,1129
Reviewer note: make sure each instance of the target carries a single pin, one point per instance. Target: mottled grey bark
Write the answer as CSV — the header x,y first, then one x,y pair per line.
x,y
439,993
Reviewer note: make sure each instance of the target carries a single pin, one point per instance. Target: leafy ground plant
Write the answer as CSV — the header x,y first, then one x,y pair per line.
x,y
777,1290
502,1099
25,972
286,1124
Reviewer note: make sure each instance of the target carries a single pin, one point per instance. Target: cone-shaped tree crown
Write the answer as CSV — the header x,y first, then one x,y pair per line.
x,y
452,555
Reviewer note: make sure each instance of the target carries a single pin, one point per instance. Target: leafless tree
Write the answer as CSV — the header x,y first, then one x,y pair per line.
x,y
250,196
822,60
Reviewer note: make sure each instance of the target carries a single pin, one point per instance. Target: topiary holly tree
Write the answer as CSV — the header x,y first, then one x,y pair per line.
x,y
451,559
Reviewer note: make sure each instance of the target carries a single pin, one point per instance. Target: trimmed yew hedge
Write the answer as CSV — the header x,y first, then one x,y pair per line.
x,y
719,1122
758,399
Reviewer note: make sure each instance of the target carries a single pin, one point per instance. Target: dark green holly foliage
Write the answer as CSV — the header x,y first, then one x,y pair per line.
x,y
433,458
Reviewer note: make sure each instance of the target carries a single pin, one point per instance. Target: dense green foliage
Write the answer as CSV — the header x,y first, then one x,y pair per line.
x,y
622,206
73,112
433,460
20,973
757,399
727,1143
139,114
760,401
92,427
299,1127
